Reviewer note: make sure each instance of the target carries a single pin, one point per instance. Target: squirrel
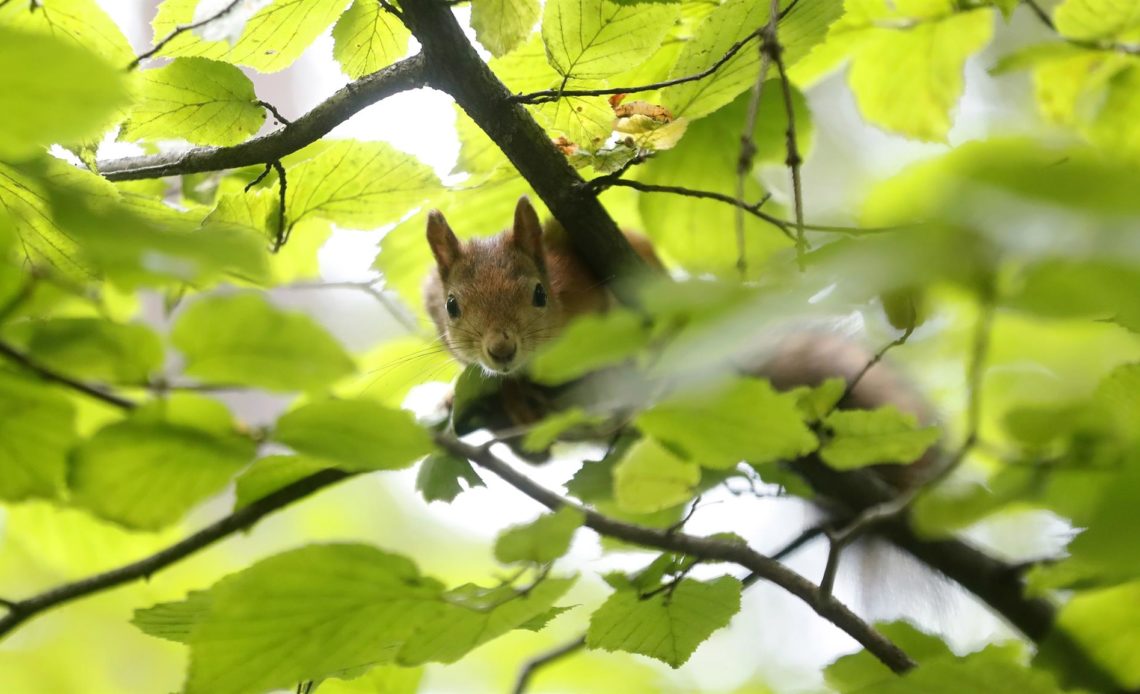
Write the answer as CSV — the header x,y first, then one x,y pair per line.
x,y
496,300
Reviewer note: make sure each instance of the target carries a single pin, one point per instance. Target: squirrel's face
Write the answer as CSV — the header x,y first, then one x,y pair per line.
x,y
493,304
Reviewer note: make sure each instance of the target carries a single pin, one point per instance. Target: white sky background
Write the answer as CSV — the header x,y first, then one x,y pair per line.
x,y
776,637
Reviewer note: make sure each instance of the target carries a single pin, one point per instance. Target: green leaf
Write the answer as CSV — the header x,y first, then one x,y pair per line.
x,y
474,616
97,349
651,478
367,37
591,39
1106,625
1094,20
1118,395
542,435
382,679
589,343
747,420
393,368
818,402
38,106
439,475
306,614
202,101
541,541
700,234
271,473
37,425
147,471
594,481
668,626
81,23
868,437
851,673
928,56
270,40
994,669
360,185
354,434
500,25
243,339
727,25
174,621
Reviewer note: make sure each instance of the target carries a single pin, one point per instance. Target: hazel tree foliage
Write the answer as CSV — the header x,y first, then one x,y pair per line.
x,y
1005,267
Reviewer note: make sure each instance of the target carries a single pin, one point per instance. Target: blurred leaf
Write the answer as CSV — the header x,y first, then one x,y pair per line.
x,y
93,348
500,25
473,616
354,434
37,425
439,475
270,40
305,614
927,52
202,101
272,473
541,541
393,368
360,185
668,626
471,387
728,24
853,673
1092,20
1118,395
38,107
589,343
174,621
80,23
243,339
367,37
651,478
148,470
1106,625
542,435
382,679
990,670
594,481
818,402
591,39
868,437
746,420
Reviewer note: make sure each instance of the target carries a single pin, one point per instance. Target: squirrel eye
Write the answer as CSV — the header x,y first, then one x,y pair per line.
x,y
539,295
452,306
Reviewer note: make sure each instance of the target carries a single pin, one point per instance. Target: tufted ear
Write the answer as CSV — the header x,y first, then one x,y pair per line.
x,y
526,235
444,246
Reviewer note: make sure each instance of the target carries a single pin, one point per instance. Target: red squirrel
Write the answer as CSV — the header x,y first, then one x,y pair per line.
x,y
496,300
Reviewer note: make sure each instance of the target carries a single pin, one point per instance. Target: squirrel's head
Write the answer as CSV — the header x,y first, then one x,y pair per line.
x,y
493,303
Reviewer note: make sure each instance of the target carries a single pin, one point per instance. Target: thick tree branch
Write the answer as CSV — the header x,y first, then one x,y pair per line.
x,y
453,66
28,364
22,610
352,98
709,549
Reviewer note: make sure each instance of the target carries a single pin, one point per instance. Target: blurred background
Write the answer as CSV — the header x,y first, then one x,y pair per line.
x,y
776,643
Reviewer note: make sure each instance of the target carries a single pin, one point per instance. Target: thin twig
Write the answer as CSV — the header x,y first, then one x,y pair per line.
x,y
799,541
260,177
282,230
748,144
47,374
703,548
771,45
547,95
242,519
183,28
533,666
1041,13
878,357
276,114
752,209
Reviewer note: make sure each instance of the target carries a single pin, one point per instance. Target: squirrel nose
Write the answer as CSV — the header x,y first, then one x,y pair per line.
x,y
501,347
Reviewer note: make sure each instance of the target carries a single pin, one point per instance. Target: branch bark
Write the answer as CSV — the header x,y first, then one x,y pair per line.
x,y
705,548
352,98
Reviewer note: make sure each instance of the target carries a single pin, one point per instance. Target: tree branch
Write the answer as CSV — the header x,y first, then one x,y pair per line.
x,y
352,98
771,46
242,519
528,671
708,549
454,67
28,364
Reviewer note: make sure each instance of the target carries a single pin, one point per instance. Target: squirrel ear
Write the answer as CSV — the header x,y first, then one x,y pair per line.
x,y
527,232
444,246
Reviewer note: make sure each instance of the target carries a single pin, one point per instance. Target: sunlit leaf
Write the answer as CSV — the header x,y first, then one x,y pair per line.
x,y
367,37
589,343
598,38
354,434
867,437
95,349
651,478
243,339
272,473
194,99
668,626
500,25
38,427
541,541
